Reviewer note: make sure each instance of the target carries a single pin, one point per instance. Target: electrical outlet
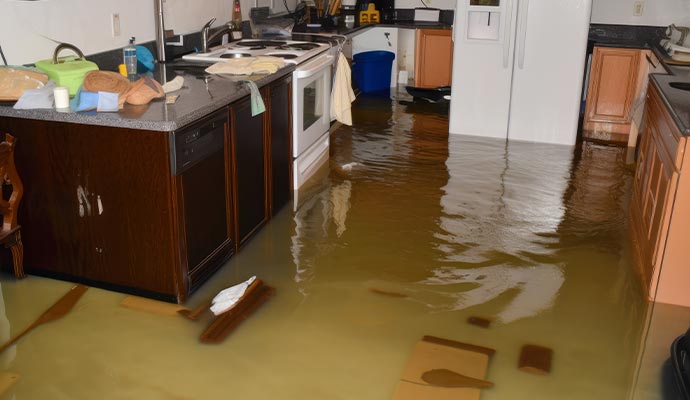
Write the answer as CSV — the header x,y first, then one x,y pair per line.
x,y
116,25
638,8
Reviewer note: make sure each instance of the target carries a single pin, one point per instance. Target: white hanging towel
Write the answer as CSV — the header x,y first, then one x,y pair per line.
x,y
342,95
227,298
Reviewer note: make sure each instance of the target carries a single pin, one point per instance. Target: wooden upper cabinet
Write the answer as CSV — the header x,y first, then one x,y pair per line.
x,y
615,85
433,63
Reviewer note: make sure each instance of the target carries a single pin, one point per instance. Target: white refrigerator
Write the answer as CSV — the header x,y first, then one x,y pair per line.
x,y
518,67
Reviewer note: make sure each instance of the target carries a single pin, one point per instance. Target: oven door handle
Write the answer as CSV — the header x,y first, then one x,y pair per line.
x,y
313,67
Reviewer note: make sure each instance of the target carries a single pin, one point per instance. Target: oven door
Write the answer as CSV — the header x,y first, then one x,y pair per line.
x,y
311,99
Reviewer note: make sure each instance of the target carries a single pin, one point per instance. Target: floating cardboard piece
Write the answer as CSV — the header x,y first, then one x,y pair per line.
x,y
535,359
7,380
442,369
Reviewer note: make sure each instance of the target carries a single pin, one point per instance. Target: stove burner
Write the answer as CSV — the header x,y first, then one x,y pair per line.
x,y
286,56
298,46
260,44
235,55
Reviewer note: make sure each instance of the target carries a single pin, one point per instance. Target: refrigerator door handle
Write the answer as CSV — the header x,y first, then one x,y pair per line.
x,y
522,34
452,28
507,27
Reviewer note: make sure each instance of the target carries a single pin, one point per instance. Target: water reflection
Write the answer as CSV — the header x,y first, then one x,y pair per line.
x,y
502,203
408,233
530,236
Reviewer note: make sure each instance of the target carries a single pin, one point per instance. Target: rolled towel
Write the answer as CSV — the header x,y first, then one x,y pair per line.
x,y
247,66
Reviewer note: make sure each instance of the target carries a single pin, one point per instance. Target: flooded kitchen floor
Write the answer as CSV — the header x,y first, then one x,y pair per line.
x,y
408,233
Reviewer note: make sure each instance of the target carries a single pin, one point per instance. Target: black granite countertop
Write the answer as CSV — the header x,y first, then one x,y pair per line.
x,y
625,36
200,95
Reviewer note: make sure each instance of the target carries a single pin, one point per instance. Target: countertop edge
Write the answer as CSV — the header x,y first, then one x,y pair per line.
x,y
127,117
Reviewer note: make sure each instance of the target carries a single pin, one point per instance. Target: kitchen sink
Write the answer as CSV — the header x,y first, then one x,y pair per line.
x,y
680,85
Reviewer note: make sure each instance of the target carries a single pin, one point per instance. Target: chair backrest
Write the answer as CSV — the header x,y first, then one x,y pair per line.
x,y
9,204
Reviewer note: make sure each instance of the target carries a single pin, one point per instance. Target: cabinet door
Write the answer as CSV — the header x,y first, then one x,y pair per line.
x,y
126,199
433,64
280,129
654,190
613,84
203,185
249,155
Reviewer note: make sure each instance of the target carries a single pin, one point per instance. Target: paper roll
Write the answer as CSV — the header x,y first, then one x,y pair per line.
x,y
61,94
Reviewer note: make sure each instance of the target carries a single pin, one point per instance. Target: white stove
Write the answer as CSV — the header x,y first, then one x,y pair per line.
x,y
292,51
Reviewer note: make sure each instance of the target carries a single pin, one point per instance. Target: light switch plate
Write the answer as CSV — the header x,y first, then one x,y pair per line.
x,y
116,25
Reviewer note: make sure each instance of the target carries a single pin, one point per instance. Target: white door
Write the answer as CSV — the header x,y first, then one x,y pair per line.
x,y
483,53
551,42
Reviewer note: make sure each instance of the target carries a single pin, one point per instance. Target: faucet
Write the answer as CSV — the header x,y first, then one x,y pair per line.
x,y
207,37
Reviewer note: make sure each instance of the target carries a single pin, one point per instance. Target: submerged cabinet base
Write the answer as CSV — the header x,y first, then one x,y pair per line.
x,y
100,208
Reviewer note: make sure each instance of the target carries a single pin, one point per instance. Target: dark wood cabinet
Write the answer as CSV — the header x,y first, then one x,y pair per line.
x,y
97,205
103,206
248,138
280,138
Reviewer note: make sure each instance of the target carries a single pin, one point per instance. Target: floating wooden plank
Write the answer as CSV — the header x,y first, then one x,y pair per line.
x,y
255,296
388,293
535,359
7,381
478,321
443,369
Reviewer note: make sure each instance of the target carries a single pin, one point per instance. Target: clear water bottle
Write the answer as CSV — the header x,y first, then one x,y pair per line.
x,y
130,58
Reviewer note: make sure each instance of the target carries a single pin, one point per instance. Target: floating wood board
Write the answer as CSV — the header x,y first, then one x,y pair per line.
x,y
478,321
151,306
433,354
253,298
535,359
7,380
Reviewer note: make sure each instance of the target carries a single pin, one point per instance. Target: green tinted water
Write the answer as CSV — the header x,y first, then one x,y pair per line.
x,y
408,233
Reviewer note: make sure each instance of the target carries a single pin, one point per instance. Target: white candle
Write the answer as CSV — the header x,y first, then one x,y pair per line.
x,y
61,94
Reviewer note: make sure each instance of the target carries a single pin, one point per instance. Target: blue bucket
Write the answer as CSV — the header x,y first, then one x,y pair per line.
x,y
372,70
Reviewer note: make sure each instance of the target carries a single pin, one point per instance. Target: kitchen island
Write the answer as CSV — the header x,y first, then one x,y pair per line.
x,y
153,199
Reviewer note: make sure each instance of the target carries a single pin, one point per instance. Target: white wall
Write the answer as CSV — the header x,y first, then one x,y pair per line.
x,y
29,30
442,4
656,12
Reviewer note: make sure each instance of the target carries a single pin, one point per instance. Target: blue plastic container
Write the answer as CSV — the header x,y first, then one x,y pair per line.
x,y
372,70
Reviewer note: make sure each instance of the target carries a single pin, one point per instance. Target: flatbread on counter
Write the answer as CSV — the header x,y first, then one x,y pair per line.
x,y
14,81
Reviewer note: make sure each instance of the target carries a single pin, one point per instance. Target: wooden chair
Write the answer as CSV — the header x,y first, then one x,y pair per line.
x,y
9,204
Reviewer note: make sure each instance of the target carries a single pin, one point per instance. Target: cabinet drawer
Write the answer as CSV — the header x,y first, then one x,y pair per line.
x,y
667,131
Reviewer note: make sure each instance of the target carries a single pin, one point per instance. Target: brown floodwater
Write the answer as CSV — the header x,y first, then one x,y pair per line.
x,y
408,232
